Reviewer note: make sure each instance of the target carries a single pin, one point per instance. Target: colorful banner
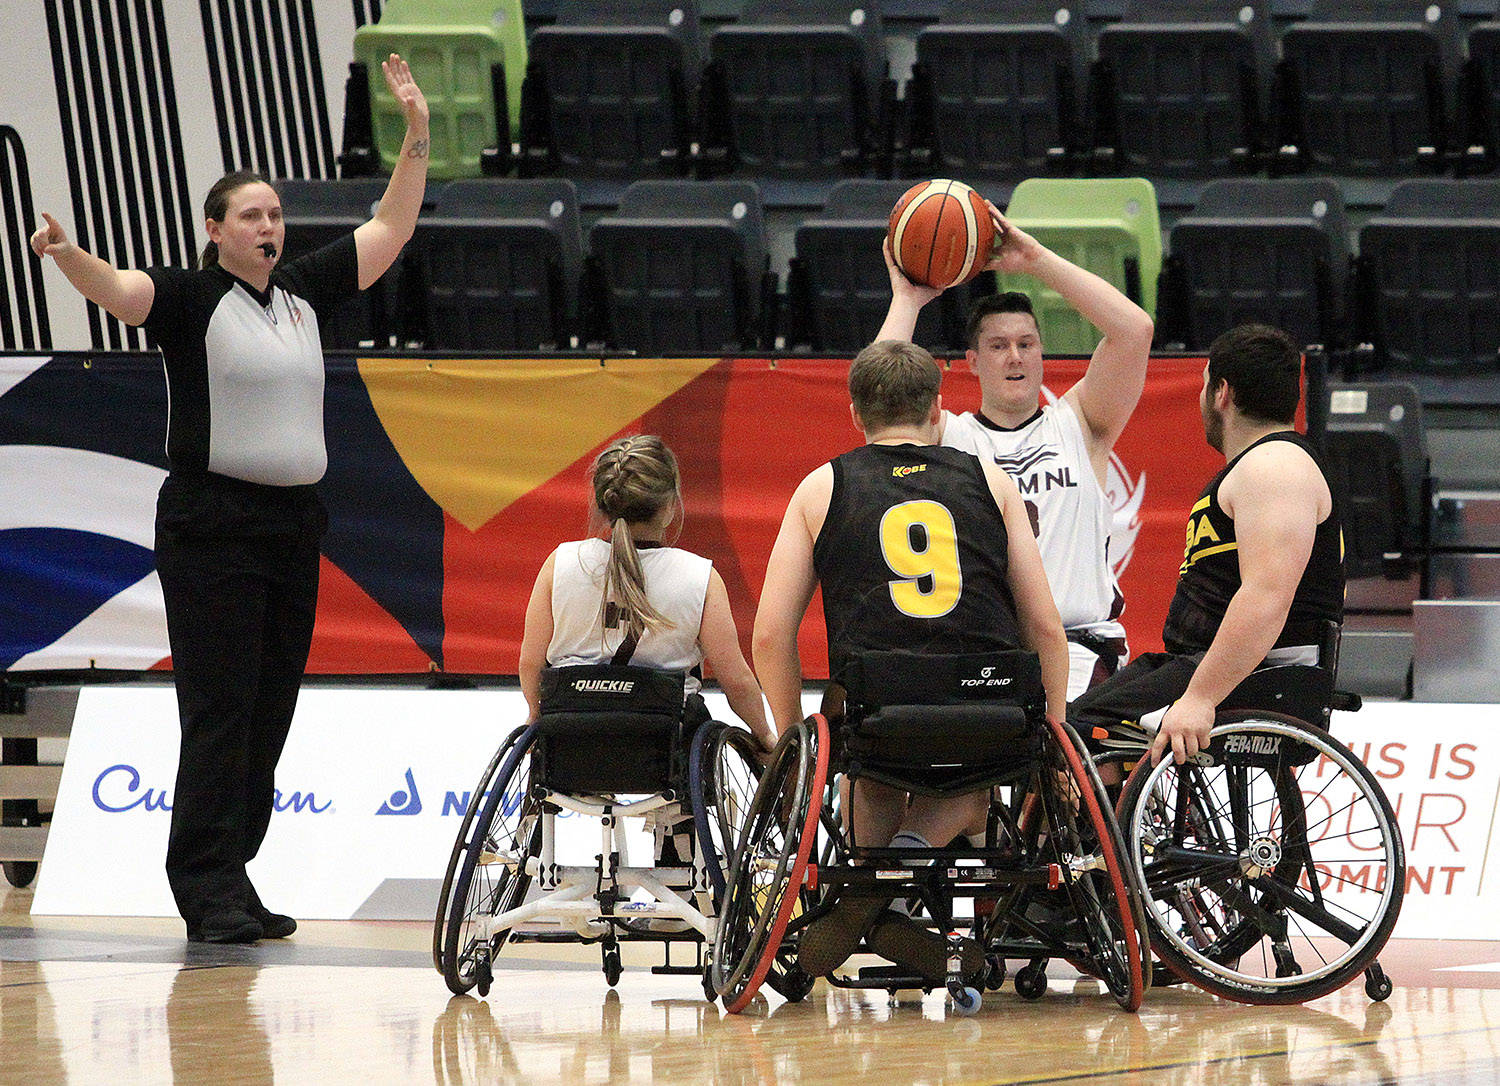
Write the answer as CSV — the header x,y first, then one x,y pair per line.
x,y
450,480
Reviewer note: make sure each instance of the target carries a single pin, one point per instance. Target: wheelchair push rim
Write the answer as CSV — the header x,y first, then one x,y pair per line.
x,y
1269,874
493,875
770,885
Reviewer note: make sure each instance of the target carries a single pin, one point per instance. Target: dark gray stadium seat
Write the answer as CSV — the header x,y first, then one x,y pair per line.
x,y
318,212
1481,96
799,90
994,93
839,286
500,265
681,265
1430,282
1363,85
1178,92
1257,250
608,92
1376,453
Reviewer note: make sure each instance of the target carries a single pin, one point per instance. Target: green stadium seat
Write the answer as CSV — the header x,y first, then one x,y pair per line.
x,y
1109,226
454,48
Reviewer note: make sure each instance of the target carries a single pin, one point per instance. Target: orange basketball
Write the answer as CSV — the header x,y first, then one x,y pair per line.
x,y
941,233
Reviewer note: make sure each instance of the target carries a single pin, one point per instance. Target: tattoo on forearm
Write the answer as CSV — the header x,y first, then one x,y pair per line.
x,y
418,149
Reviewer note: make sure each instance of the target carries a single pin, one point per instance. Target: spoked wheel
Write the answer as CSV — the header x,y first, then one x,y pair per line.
x,y
766,876
492,876
1275,874
1100,892
724,771
461,844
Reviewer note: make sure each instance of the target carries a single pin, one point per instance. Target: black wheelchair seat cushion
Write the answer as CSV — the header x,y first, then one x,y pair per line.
x,y
1298,690
874,679
915,735
907,709
606,729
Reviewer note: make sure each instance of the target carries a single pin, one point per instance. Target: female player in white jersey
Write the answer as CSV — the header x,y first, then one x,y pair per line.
x,y
1057,453
594,594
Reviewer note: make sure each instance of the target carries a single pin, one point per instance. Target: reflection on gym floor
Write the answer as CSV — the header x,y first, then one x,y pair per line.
x,y
114,1001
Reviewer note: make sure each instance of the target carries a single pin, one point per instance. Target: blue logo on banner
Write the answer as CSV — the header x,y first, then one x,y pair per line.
x,y
403,803
118,789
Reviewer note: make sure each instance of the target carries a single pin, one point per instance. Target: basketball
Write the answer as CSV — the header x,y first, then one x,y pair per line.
x,y
941,233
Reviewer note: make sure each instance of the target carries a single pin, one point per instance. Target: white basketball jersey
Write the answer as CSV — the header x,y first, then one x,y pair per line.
x,y
1049,461
676,585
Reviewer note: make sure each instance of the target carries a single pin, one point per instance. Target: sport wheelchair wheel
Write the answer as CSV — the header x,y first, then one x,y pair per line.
x,y
1274,872
765,880
1100,891
724,771
461,842
492,876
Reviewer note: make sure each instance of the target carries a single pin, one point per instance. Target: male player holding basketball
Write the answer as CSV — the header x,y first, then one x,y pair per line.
x,y
1058,453
916,547
1263,568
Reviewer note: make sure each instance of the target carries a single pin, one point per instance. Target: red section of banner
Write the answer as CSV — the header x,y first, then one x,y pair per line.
x,y
745,433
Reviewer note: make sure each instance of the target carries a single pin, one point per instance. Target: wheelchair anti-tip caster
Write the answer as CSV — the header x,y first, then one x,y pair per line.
x,y
1378,986
994,976
612,968
966,1000
793,984
1031,982
708,986
484,976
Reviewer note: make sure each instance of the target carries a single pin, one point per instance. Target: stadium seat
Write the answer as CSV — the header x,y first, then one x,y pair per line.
x,y
1481,92
1429,285
500,264
469,57
681,267
993,94
1176,91
1109,226
838,284
797,91
608,94
318,212
1376,453
1256,250
1362,86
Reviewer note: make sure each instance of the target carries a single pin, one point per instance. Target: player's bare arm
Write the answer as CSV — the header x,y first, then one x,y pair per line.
x,y
907,300
1036,612
788,589
720,641
1111,386
1276,497
535,638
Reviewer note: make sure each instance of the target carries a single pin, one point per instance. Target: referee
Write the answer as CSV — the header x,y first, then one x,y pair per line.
x,y
238,520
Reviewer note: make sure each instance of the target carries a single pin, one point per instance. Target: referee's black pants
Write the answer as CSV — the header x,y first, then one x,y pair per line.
x,y
239,576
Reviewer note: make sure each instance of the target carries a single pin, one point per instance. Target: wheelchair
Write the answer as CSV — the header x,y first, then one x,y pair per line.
x,y
611,742
941,726
1271,865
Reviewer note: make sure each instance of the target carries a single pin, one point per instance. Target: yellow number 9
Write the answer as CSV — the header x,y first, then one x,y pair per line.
x,y
938,560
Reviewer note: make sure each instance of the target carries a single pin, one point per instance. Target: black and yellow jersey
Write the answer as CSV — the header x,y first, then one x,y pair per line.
x,y
1210,574
913,555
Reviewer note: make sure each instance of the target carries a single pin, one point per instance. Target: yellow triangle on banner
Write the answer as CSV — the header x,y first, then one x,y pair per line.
x,y
479,433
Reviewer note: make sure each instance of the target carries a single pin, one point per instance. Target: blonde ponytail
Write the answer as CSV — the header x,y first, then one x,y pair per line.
x,y
634,479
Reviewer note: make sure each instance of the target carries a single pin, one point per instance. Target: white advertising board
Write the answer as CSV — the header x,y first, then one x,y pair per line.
x,y
371,789
373,783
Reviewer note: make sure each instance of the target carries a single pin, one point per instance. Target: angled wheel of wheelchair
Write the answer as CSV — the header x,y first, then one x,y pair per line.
x,y
1101,893
724,770
491,877
766,876
1273,875
461,841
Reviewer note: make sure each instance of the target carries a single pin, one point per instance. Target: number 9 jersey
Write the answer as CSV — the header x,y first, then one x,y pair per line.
x,y
913,555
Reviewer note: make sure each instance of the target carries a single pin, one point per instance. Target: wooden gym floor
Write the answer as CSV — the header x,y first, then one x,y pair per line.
x,y
89,1000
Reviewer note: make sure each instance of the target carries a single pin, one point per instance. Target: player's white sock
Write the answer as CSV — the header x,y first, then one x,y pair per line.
x,y
908,839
